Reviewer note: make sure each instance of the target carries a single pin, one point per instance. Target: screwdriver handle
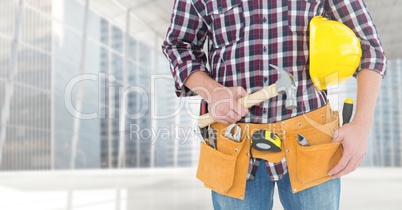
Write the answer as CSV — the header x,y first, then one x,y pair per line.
x,y
347,110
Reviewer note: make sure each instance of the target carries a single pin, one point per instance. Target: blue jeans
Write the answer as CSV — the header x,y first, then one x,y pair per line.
x,y
259,195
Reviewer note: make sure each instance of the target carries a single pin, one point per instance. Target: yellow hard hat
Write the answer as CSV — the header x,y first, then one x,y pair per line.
x,y
335,52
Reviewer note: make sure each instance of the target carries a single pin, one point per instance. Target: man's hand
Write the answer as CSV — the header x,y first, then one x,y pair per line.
x,y
353,137
223,105
222,101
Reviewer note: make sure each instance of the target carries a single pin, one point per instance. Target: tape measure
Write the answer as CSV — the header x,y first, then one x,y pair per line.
x,y
264,140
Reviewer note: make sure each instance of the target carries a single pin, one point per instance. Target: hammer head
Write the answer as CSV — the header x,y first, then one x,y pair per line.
x,y
286,84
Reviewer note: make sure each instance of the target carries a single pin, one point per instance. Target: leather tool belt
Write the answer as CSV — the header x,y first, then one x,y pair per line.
x,y
225,169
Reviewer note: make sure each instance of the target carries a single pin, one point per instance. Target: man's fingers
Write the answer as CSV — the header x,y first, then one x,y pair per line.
x,y
239,109
359,162
220,118
226,115
340,166
337,137
348,168
222,121
233,116
241,92
225,109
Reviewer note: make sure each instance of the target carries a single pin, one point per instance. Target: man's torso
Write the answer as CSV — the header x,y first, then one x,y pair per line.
x,y
246,36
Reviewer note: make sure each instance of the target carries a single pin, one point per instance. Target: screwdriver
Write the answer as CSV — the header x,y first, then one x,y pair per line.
x,y
347,110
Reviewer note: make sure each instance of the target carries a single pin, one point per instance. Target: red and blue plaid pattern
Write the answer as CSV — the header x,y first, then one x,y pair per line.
x,y
244,37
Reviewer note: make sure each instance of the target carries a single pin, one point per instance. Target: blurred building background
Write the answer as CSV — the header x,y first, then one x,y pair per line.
x,y
386,142
65,66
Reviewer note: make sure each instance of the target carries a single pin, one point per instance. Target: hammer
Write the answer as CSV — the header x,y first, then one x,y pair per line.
x,y
284,85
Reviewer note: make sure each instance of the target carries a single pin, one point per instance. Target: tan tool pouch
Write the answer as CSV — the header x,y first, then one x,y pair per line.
x,y
225,170
308,166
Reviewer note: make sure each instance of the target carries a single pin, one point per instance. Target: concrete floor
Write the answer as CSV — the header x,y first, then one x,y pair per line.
x,y
175,189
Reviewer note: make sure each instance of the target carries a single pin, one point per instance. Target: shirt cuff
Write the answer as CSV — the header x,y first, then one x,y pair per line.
x,y
373,59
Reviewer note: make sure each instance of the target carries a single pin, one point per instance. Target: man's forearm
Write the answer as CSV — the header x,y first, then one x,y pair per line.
x,y
202,84
368,87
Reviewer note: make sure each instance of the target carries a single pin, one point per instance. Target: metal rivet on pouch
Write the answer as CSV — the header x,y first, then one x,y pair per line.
x,y
236,150
248,154
283,123
287,150
322,116
294,190
248,137
241,197
247,126
299,124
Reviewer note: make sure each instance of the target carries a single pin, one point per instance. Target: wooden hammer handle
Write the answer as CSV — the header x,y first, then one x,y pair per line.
x,y
247,102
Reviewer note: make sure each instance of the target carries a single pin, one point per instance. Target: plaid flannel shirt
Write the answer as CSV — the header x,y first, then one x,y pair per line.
x,y
244,37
